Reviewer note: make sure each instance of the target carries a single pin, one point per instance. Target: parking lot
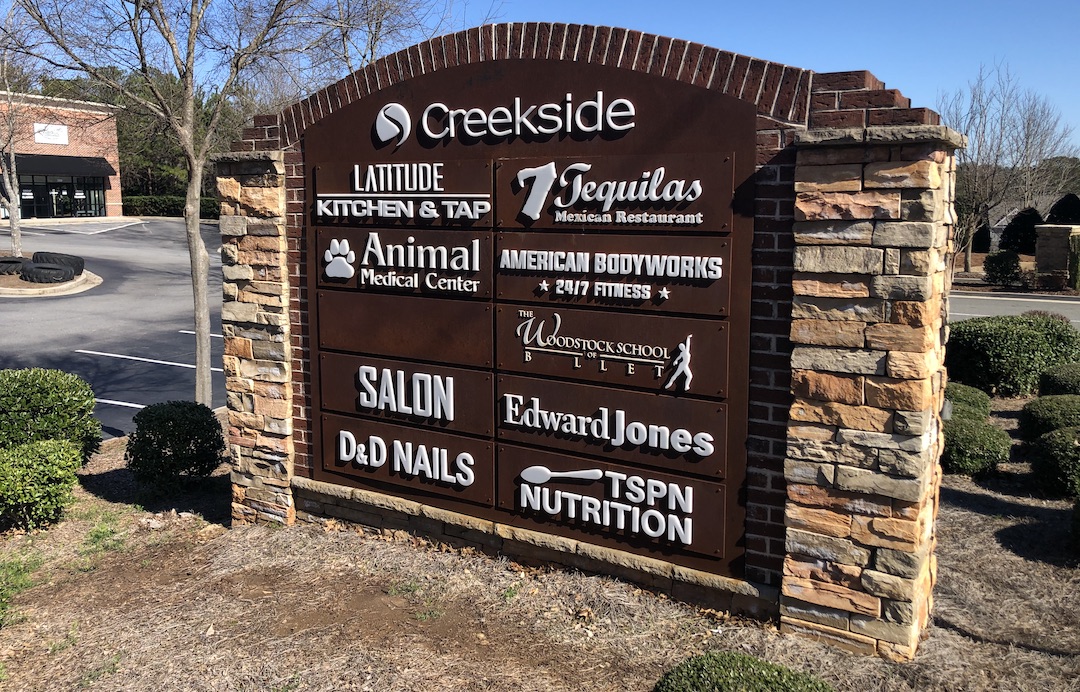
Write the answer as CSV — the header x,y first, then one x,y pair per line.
x,y
131,337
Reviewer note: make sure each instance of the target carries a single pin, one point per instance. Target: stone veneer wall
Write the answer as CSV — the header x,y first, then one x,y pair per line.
x,y
266,327
873,231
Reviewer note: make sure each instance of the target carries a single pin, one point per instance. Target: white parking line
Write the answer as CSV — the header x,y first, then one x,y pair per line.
x,y
970,296
142,360
188,331
125,404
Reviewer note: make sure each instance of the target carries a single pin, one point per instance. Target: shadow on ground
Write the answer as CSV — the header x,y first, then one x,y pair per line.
x,y
1043,534
211,498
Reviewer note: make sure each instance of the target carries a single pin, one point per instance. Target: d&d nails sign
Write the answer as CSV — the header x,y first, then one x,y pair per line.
x,y
530,302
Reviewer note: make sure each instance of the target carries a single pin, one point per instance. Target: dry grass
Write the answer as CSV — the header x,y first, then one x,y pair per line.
x,y
175,601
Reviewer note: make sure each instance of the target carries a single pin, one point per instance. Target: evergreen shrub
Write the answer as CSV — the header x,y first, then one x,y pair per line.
x,y
974,399
973,447
1005,355
1062,379
36,481
1055,461
38,404
174,442
1002,268
1048,413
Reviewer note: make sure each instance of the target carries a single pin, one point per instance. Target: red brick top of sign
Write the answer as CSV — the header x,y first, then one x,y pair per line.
x,y
782,94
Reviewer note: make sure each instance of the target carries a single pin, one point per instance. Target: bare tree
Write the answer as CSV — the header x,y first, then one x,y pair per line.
x,y
1011,133
16,72
202,46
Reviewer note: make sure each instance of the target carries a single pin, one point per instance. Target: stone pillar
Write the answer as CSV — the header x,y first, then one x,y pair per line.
x,y
255,324
1053,254
873,230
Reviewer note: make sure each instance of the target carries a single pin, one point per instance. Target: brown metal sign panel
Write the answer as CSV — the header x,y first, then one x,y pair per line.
x,y
442,264
526,108
659,431
457,332
610,504
450,399
677,355
661,193
421,461
433,194
689,275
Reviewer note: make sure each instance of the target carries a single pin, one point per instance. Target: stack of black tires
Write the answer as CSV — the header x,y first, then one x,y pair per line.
x,y
44,267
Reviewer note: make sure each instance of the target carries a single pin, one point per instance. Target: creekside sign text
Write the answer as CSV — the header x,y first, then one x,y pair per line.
x,y
530,302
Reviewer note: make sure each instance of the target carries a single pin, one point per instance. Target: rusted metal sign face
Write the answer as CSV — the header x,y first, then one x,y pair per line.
x,y
656,353
689,193
442,264
451,331
449,399
659,431
643,273
642,510
548,258
459,468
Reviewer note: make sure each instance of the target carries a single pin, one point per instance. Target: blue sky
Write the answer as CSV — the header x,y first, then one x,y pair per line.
x,y
920,48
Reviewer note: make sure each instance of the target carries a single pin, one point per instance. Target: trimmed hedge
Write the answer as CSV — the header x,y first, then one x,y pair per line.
x,y
36,481
38,404
169,205
1047,413
963,395
1055,461
973,447
174,442
1002,268
724,671
1005,355
1063,379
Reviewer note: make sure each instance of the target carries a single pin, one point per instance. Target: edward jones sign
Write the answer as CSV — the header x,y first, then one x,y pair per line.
x,y
529,289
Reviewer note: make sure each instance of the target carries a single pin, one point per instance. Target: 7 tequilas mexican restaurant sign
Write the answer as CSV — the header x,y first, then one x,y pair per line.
x,y
529,289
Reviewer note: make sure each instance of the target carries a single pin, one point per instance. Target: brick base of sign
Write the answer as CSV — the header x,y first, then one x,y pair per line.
x,y
317,501
852,230
1053,253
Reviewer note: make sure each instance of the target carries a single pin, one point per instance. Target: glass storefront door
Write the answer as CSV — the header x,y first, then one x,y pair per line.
x,y
61,195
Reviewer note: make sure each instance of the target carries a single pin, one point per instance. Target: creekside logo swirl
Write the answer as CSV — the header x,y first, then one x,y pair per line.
x,y
393,122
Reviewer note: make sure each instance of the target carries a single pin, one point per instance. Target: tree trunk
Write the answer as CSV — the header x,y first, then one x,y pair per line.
x,y
15,225
200,277
967,256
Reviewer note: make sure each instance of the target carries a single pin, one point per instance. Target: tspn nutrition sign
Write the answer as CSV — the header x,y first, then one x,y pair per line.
x,y
530,302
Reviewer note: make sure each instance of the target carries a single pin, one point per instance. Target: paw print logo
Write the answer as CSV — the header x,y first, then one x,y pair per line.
x,y
339,259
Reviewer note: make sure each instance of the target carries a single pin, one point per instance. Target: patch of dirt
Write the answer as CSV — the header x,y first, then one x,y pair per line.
x,y
180,602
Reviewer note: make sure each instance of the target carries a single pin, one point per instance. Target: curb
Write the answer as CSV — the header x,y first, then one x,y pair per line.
x,y
83,282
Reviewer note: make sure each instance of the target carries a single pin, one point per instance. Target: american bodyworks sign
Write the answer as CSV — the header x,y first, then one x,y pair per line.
x,y
529,289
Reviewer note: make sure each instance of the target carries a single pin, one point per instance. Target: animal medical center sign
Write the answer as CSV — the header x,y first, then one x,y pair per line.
x,y
529,289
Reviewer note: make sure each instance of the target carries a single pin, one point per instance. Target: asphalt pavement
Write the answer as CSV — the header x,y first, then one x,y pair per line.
x,y
131,337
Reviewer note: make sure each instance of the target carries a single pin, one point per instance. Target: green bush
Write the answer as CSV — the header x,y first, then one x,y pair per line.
x,y
724,671
169,205
973,447
974,399
38,404
1063,379
36,480
1047,413
1002,268
1055,461
1005,355
174,442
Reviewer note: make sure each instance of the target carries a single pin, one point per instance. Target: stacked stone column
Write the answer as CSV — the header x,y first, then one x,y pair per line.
x,y
873,226
255,324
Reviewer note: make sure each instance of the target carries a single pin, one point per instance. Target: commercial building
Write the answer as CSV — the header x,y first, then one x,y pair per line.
x,y
66,156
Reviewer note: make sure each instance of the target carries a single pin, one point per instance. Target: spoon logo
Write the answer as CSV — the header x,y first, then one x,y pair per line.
x,y
393,122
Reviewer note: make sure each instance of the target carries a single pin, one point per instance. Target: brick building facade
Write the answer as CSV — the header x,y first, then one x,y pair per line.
x,y
67,155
